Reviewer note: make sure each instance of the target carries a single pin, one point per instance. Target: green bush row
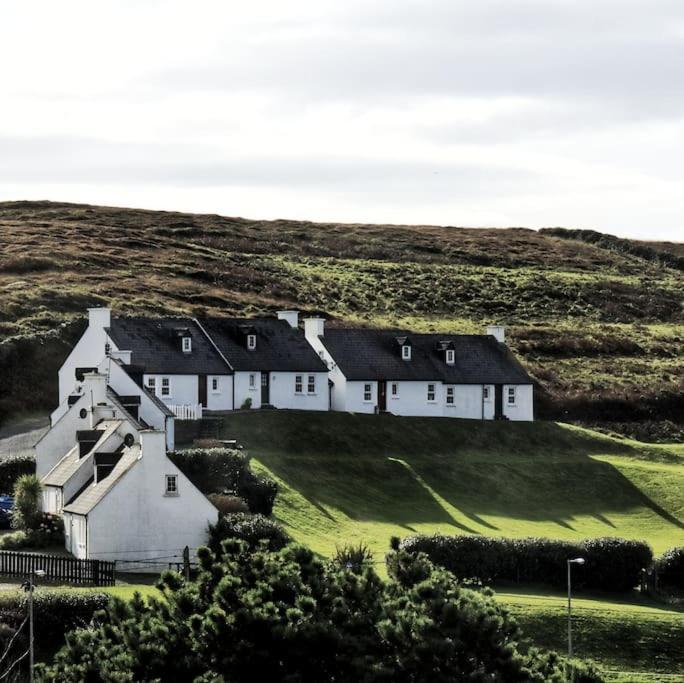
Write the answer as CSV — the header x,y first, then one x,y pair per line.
x,y
611,564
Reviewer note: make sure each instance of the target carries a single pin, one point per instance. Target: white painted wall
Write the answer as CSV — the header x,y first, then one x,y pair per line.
x,y
467,401
489,403
282,391
354,400
244,390
137,520
184,389
412,399
222,399
523,408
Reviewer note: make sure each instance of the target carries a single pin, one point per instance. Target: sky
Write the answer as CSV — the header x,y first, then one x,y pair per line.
x,y
481,113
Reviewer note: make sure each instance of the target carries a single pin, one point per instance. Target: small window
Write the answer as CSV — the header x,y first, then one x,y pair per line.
x,y
311,385
430,393
152,384
166,386
298,384
215,385
406,352
187,345
367,393
511,396
171,485
251,342
252,381
485,393
395,390
450,356
108,348
450,396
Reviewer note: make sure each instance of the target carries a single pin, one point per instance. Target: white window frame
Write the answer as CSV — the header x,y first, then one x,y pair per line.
x,y
166,394
151,384
450,356
171,485
450,396
394,390
251,342
299,384
311,385
186,344
511,394
431,392
215,385
406,352
367,393
252,381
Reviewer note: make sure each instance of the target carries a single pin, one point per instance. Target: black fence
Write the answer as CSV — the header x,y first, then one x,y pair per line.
x,y
57,568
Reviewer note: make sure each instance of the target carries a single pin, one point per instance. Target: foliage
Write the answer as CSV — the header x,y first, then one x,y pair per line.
x,y
228,504
49,532
670,568
227,471
13,468
246,404
286,616
353,557
252,529
26,513
612,564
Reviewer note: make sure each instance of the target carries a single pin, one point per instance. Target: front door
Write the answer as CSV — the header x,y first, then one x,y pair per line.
x,y
202,390
498,401
382,396
265,389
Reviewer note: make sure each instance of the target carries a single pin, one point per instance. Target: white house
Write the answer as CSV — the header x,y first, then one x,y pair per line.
x,y
404,373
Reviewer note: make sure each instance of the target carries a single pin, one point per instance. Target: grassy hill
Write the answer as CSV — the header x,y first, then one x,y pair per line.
x,y
598,321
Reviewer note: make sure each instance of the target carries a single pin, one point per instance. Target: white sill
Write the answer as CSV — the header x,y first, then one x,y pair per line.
x,y
312,394
171,495
432,403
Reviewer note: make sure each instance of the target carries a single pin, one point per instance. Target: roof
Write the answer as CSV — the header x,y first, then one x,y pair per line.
x,y
155,345
363,354
152,396
279,347
94,493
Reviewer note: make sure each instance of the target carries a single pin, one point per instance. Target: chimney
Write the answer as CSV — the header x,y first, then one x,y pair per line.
x,y
497,331
314,327
99,317
95,387
153,443
292,318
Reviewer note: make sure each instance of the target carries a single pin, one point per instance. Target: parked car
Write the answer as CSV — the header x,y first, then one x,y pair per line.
x,y
6,505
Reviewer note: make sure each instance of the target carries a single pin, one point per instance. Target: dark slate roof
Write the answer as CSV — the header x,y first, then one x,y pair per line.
x,y
279,347
155,344
363,354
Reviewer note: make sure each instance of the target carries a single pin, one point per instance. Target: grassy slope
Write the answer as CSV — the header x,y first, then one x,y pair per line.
x,y
592,322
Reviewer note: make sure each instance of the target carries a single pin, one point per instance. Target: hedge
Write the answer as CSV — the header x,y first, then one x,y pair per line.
x,y
670,567
611,564
13,468
249,528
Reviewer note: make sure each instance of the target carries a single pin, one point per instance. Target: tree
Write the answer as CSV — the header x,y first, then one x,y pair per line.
x,y
26,514
287,616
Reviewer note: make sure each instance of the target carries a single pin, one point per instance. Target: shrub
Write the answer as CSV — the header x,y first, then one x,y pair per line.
x,y
259,492
354,557
13,468
249,528
227,504
671,568
247,404
26,514
49,531
612,564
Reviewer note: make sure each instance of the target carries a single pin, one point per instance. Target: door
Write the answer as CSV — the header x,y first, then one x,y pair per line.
x,y
498,401
382,396
265,389
202,390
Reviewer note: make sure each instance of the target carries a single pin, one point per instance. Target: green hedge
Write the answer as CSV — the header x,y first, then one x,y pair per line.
x,y
670,568
612,564
13,468
249,528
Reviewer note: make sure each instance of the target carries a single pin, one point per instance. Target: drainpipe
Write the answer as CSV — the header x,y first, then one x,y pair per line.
x,y
482,401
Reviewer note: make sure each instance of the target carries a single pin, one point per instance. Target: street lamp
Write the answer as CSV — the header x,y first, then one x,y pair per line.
x,y
28,586
577,560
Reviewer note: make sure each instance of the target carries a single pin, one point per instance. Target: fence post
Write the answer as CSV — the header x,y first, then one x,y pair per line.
x,y
96,572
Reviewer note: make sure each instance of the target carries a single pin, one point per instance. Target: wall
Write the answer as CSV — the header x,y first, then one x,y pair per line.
x,y
524,403
339,389
467,401
244,391
135,520
412,399
282,391
184,389
354,401
223,399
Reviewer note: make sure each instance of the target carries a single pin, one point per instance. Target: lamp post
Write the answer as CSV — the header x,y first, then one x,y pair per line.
x,y
28,586
577,560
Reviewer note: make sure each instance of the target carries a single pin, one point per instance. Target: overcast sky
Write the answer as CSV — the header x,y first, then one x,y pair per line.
x,y
479,113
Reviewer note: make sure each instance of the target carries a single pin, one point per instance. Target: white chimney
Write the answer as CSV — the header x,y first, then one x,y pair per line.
x,y
314,327
99,317
497,331
153,443
95,387
292,318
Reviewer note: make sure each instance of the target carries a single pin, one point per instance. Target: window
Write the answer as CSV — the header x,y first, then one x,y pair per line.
x,y
450,396
252,381
367,393
395,390
152,384
511,396
450,356
485,393
108,348
215,385
171,485
406,352
187,345
311,385
298,384
166,386
430,393
251,342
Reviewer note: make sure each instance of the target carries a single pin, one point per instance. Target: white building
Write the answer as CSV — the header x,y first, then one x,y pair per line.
x,y
466,376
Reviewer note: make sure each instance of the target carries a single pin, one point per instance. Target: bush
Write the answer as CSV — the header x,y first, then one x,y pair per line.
x,y
259,492
671,568
26,514
247,404
227,504
354,557
48,532
13,468
612,564
249,528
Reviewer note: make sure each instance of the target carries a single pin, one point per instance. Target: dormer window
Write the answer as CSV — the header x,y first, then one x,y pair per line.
x,y
450,356
251,342
187,344
406,352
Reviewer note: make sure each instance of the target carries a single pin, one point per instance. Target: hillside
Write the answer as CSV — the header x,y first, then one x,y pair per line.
x,y
598,321
350,478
